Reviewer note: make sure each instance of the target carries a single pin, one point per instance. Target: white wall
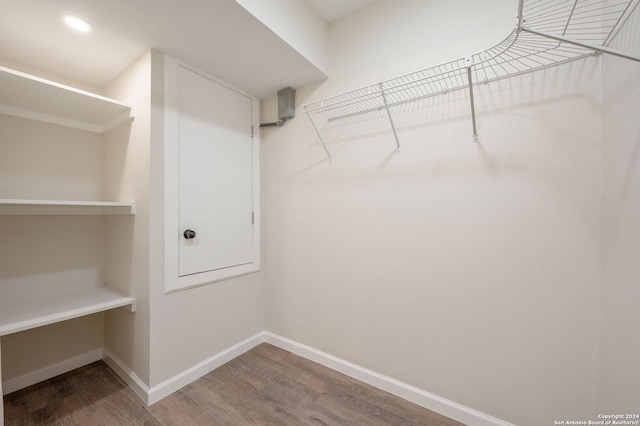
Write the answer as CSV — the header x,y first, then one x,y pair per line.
x,y
297,23
190,326
619,374
389,38
127,158
470,271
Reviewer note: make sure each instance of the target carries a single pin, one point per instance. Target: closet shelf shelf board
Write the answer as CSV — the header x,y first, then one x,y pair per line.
x,y
17,207
31,313
27,96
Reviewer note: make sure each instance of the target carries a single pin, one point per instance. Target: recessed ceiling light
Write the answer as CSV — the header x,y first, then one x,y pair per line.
x,y
77,24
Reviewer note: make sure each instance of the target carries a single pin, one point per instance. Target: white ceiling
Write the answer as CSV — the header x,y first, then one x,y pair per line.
x,y
33,35
219,37
332,10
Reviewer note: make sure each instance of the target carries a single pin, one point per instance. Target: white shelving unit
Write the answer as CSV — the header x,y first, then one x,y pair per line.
x,y
12,207
547,33
32,313
26,96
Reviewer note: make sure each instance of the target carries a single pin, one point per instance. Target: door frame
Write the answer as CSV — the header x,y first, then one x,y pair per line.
x,y
173,281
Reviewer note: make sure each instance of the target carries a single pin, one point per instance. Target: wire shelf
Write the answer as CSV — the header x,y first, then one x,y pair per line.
x,y
547,33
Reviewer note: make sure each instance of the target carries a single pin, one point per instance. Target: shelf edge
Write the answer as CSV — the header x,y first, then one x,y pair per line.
x,y
49,319
14,207
67,122
118,114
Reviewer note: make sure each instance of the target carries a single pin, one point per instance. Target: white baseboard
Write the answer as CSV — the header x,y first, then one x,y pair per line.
x,y
156,393
50,371
148,395
121,369
418,396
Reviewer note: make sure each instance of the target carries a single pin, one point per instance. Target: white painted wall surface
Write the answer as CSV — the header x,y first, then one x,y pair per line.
x,y
45,161
190,326
127,158
391,38
295,22
469,271
619,373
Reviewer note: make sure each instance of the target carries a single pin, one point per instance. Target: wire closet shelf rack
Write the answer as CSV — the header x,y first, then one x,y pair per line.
x,y
547,33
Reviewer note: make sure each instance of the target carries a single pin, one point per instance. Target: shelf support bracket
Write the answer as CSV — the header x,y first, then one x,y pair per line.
x,y
519,19
318,134
473,106
393,126
597,48
131,307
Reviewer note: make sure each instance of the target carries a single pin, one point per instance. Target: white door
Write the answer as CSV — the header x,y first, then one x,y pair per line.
x,y
216,176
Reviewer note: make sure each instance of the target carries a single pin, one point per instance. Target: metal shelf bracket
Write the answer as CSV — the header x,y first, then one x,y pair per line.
x,y
393,127
468,60
313,124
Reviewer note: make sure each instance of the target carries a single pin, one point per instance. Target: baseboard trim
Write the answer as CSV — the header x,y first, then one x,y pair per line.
x,y
418,396
50,371
131,378
156,393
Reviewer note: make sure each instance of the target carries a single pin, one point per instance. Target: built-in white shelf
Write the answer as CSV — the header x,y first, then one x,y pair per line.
x,y
27,96
25,315
15,207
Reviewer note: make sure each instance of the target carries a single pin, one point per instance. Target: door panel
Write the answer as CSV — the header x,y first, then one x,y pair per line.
x,y
216,175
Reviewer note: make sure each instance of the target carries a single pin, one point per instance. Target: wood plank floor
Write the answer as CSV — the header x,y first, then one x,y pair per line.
x,y
265,386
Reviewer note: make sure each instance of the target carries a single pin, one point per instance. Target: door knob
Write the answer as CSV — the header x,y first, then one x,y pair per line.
x,y
189,234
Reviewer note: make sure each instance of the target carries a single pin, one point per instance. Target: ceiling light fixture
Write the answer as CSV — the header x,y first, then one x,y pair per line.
x,y
77,24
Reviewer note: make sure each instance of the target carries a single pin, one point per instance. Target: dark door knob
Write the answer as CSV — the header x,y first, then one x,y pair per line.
x,y
189,234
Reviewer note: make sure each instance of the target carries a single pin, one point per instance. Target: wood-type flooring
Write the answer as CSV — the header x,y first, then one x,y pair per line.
x,y
264,386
